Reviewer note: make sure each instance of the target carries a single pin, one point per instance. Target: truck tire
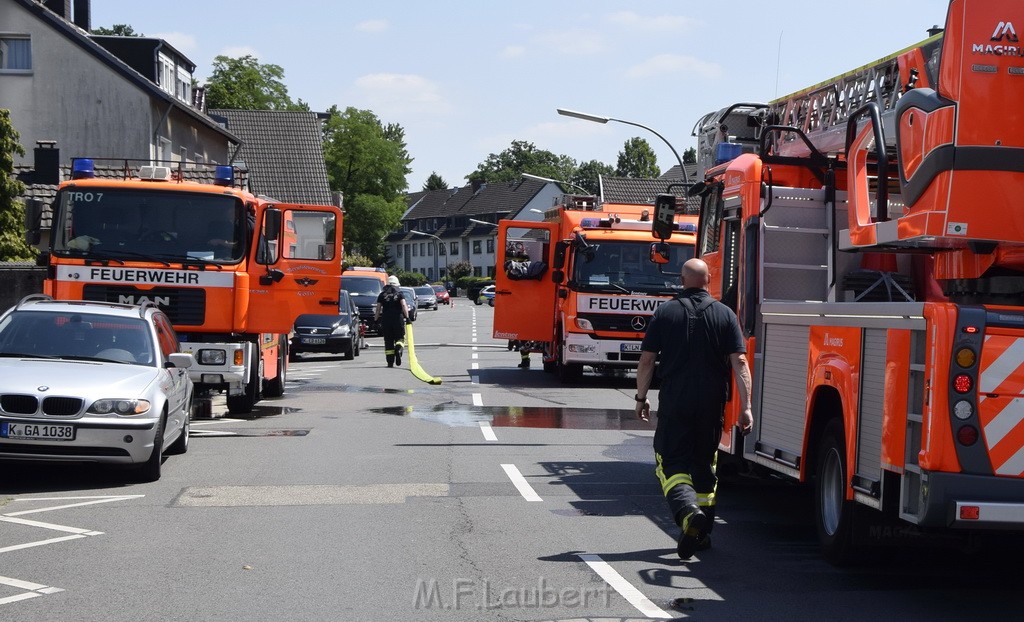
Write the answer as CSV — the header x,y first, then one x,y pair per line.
x,y
243,404
833,514
567,372
275,386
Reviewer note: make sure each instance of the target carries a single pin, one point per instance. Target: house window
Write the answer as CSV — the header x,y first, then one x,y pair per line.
x,y
15,53
441,248
476,247
490,245
455,248
399,251
413,250
430,251
477,271
164,155
423,249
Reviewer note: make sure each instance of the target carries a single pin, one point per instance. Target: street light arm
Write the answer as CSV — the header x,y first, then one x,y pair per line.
x,y
682,168
555,181
583,115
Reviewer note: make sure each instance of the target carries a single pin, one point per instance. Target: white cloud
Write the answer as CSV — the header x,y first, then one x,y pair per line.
x,y
665,64
395,95
513,51
185,43
660,23
238,51
373,25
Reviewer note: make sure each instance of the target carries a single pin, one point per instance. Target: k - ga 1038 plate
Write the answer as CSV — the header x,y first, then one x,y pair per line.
x,y
314,340
37,431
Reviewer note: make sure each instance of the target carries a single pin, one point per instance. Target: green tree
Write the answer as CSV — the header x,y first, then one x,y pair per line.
x,y
352,260
367,161
587,175
523,157
459,269
118,30
690,156
12,214
637,159
435,182
246,84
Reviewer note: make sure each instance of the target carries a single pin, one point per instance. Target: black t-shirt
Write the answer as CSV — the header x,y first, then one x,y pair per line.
x,y
694,356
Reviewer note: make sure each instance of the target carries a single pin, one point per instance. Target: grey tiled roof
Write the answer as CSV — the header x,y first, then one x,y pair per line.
x,y
283,151
642,191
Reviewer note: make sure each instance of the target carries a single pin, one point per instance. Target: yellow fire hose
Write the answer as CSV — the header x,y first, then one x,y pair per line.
x,y
414,364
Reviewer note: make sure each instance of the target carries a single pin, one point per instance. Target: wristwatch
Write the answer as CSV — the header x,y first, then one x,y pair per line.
x,y
639,399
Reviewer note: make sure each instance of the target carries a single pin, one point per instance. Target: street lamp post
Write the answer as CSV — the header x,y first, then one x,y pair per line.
x,y
598,119
437,249
555,181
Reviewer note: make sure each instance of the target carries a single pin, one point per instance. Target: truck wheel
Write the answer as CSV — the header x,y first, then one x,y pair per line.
x,y
242,404
275,386
568,372
832,512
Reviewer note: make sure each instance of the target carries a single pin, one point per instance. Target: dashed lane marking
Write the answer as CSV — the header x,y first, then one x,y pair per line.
x,y
520,483
625,589
488,433
478,400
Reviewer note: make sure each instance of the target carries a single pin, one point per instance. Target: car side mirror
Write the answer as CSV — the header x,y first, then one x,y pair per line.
x,y
180,360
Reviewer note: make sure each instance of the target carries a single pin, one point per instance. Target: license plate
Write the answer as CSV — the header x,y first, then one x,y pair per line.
x,y
629,347
37,432
314,340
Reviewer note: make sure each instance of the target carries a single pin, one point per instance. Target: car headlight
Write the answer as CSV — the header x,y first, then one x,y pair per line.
x,y
341,330
583,324
110,405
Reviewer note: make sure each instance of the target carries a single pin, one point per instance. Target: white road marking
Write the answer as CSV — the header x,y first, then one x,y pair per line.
x,y
476,366
475,355
474,379
32,590
478,400
29,545
17,597
623,587
93,501
487,431
474,339
520,483
34,523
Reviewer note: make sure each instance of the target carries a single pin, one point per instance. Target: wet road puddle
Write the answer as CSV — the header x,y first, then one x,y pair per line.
x,y
523,416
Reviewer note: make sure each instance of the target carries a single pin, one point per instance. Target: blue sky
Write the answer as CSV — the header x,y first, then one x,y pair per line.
x,y
465,79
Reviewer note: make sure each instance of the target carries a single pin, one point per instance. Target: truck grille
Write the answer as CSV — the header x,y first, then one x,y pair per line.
x,y
184,306
615,321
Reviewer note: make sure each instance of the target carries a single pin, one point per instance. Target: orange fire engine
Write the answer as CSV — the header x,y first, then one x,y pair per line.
x,y
231,270
580,286
868,232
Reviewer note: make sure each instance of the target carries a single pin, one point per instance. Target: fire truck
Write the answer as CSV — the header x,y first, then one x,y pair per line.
x,y
230,269
868,232
580,285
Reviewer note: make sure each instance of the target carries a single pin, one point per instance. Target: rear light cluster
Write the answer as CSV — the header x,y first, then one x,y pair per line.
x,y
962,383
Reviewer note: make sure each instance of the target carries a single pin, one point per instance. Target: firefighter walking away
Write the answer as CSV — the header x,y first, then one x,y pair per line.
x,y
392,313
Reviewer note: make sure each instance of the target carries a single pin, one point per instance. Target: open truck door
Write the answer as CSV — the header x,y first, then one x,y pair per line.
x,y
296,256
526,280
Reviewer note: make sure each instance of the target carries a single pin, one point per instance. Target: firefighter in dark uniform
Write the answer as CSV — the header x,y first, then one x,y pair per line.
x,y
392,313
699,342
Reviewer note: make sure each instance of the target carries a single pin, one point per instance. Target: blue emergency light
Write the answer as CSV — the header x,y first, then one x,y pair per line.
x,y
224,176
727,151
686,227
83,168
590,223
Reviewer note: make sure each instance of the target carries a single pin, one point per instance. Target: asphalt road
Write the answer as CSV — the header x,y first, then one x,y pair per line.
x,y
365,494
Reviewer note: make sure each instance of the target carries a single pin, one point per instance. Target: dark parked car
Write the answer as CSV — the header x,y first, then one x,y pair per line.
x,y
427,297
335,333
411,302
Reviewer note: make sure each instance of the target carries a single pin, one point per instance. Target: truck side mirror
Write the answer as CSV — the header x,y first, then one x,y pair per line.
x,y
660,253
560,248
664,216
557,276
272,224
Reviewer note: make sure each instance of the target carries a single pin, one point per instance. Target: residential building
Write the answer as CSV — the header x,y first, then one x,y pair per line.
x,y
460,224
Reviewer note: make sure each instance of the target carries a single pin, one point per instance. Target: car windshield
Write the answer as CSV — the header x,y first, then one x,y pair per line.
x,y
74,335
425,291
361,285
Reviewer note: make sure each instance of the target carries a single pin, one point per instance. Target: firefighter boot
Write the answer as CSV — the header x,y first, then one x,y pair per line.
x,y
398,354
525,363
694,528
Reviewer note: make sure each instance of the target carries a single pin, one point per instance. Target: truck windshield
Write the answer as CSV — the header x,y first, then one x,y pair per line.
x,y
626,267
140,224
